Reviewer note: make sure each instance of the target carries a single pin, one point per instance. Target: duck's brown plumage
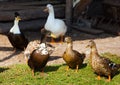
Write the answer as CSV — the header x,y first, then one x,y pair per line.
x,y
18,41
37,61
73,58
38,58
101,65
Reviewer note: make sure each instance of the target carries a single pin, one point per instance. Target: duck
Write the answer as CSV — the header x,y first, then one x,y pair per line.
x,y
73,58
101,66
15,36
37,55
56,26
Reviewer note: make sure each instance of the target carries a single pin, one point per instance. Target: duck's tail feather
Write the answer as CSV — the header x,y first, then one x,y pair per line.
x,y
115,66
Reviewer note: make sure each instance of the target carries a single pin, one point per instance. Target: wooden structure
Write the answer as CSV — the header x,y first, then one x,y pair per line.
x,y
30,12
68,13
100,13
110,21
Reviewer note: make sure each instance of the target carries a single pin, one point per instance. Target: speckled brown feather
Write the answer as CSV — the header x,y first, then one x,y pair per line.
x,y
101,65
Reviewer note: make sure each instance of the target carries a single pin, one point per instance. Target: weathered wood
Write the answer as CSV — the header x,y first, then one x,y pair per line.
x,y
32,25
87,30
115,3
30,13
43,3
69,5
33,3
109,28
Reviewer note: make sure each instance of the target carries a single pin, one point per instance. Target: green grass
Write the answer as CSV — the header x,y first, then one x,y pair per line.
x,y
55,75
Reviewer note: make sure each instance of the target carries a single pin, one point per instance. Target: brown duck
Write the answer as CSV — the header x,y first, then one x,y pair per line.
x,y
102,66
38,58
72,57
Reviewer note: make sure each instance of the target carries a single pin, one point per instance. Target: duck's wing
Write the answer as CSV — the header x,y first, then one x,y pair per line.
x,y
64,54
81,55
111,65
108,63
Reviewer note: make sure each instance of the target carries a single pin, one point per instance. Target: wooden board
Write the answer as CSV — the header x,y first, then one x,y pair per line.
x,y
109,28
29,10
87,30
32,14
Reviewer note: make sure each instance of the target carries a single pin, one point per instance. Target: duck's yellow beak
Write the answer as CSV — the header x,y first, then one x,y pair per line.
x,y
18,18
45,10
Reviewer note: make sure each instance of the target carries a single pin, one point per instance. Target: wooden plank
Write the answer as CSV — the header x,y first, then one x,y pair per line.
x,y
109,28
43,3
30,13
25,5
33,3
115,3
87,30
69,5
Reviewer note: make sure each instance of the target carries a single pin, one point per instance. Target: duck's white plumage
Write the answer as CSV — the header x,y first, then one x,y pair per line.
x,y
15,29
43,49
56,26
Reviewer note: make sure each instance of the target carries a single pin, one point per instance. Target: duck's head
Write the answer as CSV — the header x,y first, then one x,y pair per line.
x,y
68,39
91,44
48,8
17,16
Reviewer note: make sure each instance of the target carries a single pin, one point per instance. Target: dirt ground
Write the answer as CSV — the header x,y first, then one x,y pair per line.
x,y
105,43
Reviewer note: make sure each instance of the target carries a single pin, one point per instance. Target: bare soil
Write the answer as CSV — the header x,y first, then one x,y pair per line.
x,y
105,43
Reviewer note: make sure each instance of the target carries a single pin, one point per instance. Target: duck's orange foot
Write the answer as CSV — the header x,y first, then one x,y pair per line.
x,y
98,77
67,68
109,78
77,66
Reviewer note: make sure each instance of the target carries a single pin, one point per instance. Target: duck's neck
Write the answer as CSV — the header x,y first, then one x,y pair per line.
x,y
51,16
15,29
94,52
69,47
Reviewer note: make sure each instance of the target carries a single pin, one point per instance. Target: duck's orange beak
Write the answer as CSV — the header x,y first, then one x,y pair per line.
x,y
45,10
18,18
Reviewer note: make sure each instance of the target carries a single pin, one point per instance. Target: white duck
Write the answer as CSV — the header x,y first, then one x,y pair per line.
x,y
57,27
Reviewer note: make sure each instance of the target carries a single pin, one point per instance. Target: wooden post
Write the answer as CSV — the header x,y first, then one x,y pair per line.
x,y
68,13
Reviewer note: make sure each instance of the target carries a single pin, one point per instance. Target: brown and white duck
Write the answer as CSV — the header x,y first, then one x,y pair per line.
x,y
73,58
57,27
102,66
37,55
